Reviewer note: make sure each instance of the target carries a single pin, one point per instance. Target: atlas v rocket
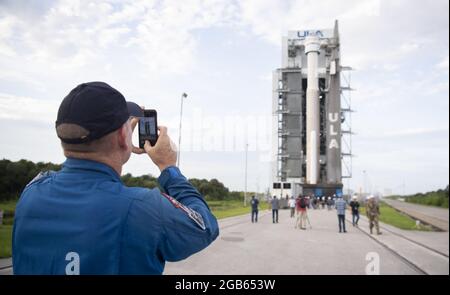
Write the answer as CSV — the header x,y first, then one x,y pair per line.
x,y
308,114
312,49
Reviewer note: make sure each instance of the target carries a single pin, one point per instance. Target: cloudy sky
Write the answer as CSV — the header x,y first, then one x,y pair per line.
x,y
222,53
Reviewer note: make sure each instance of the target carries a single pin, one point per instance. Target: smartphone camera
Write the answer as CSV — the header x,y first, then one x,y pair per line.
x,y
148,128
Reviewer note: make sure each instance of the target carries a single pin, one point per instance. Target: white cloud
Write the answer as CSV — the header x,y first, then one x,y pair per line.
x,y
362,8
271,19
160,35
379,36
436,88
27,108
443,64
77,35
165,36
6,32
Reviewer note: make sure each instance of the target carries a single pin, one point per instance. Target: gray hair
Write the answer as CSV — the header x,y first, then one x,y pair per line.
x,y
69,131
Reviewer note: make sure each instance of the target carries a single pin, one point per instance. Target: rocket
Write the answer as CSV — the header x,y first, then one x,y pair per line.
x,y
312,47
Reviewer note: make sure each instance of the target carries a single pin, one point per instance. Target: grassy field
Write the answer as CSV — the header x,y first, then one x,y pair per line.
x,y
5,240
392,217
437,198
8,205
6,228
224,209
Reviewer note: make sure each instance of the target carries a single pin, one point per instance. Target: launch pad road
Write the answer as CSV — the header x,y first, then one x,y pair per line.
x,y
276,249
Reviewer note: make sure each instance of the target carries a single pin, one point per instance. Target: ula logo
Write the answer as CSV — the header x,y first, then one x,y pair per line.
x,y
333,118
304,34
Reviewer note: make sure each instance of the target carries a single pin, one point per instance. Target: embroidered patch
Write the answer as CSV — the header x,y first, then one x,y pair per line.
x,y
194,215
39,176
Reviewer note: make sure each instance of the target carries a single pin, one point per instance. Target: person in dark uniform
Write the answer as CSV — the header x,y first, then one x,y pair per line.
x,y
275,207
254,202
84,220
354,204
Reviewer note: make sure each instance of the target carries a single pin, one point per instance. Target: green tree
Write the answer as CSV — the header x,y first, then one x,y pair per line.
x,y
14,176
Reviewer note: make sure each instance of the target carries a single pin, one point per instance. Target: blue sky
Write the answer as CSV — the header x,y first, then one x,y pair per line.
x,y
222,53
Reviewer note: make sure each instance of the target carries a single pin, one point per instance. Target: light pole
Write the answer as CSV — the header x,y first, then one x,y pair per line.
x,y
245,192
184,95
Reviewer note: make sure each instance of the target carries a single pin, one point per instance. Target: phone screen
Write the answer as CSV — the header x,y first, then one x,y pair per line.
x,y
148,128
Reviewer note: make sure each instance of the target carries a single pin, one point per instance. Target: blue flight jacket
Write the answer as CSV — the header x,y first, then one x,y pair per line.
x,y
84,220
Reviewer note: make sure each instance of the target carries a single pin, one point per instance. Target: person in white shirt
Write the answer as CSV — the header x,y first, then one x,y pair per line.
x,y
291,204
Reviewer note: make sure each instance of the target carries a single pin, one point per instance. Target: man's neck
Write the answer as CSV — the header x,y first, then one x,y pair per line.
x,y
112,161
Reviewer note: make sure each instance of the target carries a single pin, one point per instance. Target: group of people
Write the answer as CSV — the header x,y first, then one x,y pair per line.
x,y
299,205
372,213
321,202
298,208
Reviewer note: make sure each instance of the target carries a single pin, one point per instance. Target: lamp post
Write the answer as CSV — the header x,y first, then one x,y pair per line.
x,y
184,95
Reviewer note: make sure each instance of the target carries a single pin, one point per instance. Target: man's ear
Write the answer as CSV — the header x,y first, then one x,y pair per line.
x,y
122,137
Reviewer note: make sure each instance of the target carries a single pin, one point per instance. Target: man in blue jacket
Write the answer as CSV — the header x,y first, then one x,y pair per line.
x,y
84,220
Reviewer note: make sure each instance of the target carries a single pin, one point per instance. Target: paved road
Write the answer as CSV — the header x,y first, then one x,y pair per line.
x,y
437,217
267,248
427,251
4,263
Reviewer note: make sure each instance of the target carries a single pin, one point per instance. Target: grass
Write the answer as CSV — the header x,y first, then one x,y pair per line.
x,y
395,218
437,198
224,209
8,208
5,240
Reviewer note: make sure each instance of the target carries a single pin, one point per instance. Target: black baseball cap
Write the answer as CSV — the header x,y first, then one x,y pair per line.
x,y
98,108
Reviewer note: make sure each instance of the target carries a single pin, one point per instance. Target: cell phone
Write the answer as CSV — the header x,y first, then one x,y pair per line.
x,y
148,128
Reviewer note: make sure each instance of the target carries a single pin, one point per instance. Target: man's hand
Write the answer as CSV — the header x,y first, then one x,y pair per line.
x,y
163,154
135,149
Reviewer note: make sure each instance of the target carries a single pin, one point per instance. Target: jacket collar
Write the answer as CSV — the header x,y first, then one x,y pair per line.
x,y
72,164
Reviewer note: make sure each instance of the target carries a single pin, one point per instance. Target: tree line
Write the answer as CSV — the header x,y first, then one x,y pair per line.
x,y
437,198
14,176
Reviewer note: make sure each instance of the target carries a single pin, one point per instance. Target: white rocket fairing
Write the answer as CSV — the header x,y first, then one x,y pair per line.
x,y
312,47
